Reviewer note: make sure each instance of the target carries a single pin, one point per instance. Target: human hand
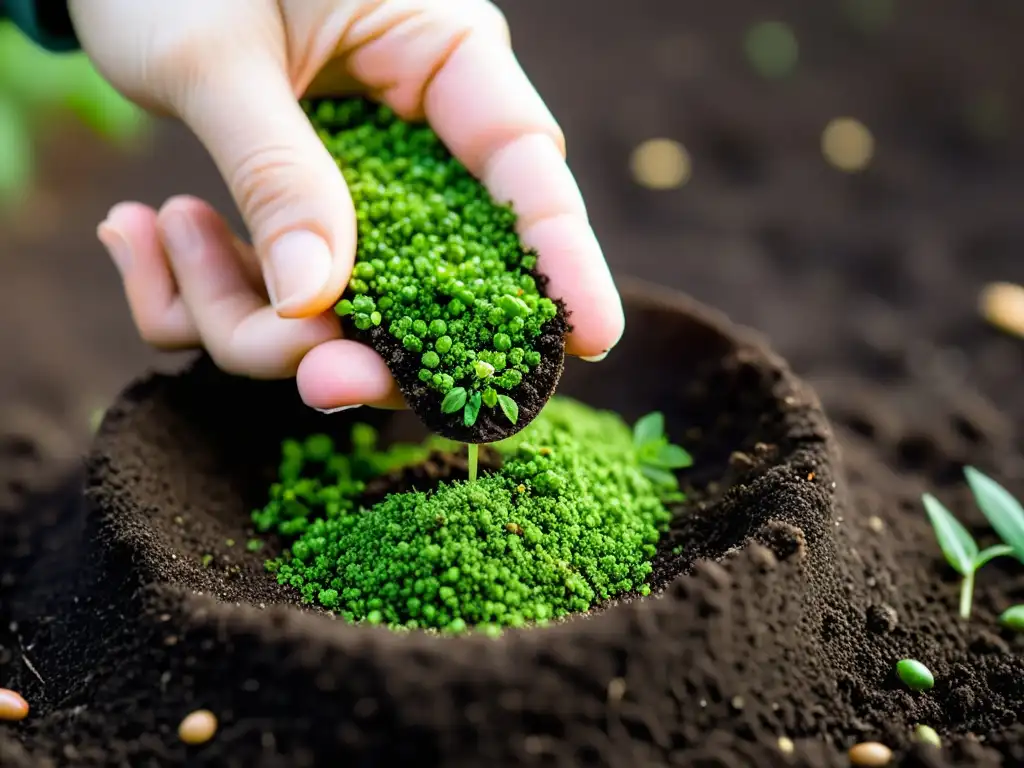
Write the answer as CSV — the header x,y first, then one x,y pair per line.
x,y
232,71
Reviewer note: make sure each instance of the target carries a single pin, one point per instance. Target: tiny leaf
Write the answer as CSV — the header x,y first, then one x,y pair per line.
x,y
1000,550
1004,512
672,457
648,429
509,407
659,476
469,416
454,400
956,543
1013,618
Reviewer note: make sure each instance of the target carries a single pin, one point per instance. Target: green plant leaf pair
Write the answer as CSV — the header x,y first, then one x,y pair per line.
x,y
657,456
459,399
1003,512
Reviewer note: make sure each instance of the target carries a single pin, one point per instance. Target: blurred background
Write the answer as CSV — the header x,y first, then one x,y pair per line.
x,y
844,175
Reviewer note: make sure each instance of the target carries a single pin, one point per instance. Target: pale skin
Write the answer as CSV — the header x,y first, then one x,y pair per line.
x,y
232,71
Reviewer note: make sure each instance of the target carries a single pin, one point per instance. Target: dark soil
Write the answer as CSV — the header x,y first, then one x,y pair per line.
x,y
865,283
491,425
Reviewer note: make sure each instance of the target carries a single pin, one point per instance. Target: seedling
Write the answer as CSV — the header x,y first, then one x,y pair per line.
x,y
656,455
1005,514
474,461
915,675
1013,618
960,549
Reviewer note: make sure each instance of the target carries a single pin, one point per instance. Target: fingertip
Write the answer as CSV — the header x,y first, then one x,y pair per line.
x,y
343,372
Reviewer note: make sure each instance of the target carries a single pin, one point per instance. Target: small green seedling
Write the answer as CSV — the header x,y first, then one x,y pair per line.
x,y
960,549
656,455
1013,618
927,735
1005,514
915,675
458,398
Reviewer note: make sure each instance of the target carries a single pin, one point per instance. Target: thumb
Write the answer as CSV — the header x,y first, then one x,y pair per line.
x,y
290,192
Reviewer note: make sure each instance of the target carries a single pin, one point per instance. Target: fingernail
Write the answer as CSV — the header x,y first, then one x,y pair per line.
x,y
595,358
117,246
297,269
183,237
339,409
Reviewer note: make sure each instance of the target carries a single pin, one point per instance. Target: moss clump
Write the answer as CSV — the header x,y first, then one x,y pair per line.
x,y
570,519
439,266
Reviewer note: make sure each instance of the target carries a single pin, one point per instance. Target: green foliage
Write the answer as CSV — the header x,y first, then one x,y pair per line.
x,y
959,548
915,675
1004,512
509,408
1013,618
568,521
438,264
656,455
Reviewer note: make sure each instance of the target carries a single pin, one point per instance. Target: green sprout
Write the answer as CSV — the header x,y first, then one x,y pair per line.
x,y
915,675
570,519
440,273
1003,512
1013,618
657,456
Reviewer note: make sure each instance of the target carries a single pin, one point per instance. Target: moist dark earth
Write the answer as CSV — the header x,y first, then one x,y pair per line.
x,y
866,284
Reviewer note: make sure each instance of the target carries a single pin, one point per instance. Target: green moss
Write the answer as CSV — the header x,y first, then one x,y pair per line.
x,y
438,263
571,519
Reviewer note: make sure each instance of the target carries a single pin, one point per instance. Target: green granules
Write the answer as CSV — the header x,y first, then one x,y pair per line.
x,y
568,521
438,264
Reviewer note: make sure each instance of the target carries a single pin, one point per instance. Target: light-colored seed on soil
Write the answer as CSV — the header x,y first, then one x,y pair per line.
x,y
12,705
198,727
870,754
660,164
786,745
1002,305
847,144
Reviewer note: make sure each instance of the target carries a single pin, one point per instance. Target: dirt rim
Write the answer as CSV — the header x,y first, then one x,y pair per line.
x,y
158,634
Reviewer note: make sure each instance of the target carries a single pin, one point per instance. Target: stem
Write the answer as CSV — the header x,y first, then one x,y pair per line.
x,y
966,594
474,459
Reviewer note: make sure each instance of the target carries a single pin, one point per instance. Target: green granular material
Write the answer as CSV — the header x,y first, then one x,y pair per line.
x,y
438,263
570,520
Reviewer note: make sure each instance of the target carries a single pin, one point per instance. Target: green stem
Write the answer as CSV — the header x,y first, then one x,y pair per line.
x,y
474,459
966,594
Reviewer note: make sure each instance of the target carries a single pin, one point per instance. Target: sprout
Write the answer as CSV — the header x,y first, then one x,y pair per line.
x,y
657,456
472,410
915,675
454,400
1013,618
509,407
1004,512
483,370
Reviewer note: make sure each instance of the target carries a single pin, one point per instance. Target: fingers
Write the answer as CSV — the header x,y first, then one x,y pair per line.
x,y
342,374
190,282
295,202
452,62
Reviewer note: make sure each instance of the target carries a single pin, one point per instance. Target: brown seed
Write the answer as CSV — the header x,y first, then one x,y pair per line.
x,y
1002,304
12,705
871,754
198,727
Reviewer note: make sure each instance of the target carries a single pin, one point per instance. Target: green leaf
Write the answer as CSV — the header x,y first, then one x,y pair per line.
x,y
672,457
648,429
17,162
454,400
956,543
1004,512
509,407
1000,550
469,416
659,476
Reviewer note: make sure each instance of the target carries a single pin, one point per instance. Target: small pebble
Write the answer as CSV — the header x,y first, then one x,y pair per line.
x,y
927,735
198,727
1013,618
12,706
915,675
786,745
870,753
1002,305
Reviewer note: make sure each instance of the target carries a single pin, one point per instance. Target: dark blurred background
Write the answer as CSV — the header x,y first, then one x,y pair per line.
x,y
843,175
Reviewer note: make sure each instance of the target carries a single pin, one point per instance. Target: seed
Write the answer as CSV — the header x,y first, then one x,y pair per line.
x,y
198,727
927,735
847,144
786,745
915,675
1002,305
1013,618
12,705
660,164
870,753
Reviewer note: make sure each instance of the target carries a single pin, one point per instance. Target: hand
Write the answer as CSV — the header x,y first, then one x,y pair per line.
x,y
232,70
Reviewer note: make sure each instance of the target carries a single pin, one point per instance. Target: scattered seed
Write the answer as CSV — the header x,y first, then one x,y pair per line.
x,y
198,727
616,689
876,524
847,144
1013,618
12,705
927,735
915,675
786,745
870,753
660,164
1002,305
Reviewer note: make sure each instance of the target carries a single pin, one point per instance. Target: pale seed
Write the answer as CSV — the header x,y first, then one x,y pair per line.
x,y
786,745
12,705
871,754
198,727
1002,305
